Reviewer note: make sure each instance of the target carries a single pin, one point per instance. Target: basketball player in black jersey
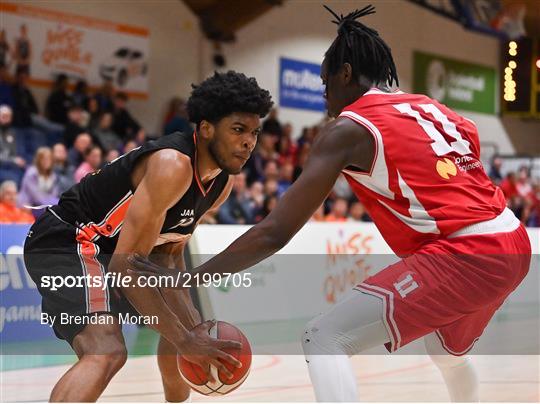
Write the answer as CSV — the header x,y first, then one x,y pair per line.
x,y
148,201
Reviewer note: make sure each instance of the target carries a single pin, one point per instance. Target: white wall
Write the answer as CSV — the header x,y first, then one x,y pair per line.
x,y
174,44
302,30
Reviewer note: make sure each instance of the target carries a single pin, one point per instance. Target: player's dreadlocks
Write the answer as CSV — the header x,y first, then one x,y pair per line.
x,y
226,93
362,48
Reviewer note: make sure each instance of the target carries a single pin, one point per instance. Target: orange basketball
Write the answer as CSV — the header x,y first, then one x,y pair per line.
x,y
196,378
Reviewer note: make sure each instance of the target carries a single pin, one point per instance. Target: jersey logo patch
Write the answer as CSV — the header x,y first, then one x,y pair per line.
x,y
186,220
446,168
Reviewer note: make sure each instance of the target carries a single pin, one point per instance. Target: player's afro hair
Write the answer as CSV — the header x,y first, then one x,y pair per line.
x,y
226,93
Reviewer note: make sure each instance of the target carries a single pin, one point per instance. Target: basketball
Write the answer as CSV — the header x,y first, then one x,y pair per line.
x,y
196,378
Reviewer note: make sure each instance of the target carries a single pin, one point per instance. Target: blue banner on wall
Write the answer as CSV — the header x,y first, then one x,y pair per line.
x,y
20,302
300,85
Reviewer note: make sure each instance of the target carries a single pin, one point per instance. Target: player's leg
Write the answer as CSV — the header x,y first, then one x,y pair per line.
x,y
102,353
457,371
353,325
176,390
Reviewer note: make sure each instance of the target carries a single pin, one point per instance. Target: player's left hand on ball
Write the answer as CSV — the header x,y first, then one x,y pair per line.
x,y
205,351
142,266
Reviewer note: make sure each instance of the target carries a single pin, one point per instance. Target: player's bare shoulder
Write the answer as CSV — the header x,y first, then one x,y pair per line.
x,y
163,165
348,139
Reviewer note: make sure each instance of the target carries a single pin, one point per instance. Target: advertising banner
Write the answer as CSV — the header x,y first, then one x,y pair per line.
x,y
20,302
300,85
46,43
457,84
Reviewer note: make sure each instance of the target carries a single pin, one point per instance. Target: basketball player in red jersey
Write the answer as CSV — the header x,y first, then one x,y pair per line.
x,y
415,165
147,201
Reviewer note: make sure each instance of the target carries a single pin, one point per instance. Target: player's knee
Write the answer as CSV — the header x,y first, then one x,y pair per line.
x,y
320,339
104,346
108,363
449,361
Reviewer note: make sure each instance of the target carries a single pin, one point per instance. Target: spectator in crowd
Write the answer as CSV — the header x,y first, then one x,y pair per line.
x,y
6,89
508,186
238,208
22,51
111,155
130,145
39,185
104,96
318,215
63,170
270,187
24,103
286,172
338,211
357,213
4,49
59,101
495,170
272,125
74,126
104,134
303,154
177,120
287,148
80,94
76,153
94,114
123,123
9,211
92,161
256,192
271,171
523,183
264,152
270,202
11,164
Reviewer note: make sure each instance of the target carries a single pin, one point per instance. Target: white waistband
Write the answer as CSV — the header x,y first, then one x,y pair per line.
x,y
504,223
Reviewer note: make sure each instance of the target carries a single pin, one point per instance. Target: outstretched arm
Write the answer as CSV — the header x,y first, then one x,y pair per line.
x,y
340,144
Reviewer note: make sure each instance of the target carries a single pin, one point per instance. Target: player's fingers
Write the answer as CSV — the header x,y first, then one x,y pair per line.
x,y
208,324
228,344
207,369
229,358
138,272
222,368
143,263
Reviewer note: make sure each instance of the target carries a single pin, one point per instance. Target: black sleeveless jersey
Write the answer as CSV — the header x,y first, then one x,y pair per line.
x,y
98,204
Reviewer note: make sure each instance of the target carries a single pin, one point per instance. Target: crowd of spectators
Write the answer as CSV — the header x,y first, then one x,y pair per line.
x,y
44,151
521,190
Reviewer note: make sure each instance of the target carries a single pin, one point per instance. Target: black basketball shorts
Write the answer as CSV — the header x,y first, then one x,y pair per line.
x,y
56,248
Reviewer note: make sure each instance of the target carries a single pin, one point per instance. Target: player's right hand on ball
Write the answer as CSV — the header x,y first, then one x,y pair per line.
x,y
203,350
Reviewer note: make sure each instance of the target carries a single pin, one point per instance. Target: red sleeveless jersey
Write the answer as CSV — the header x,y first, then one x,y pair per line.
x,y
426,181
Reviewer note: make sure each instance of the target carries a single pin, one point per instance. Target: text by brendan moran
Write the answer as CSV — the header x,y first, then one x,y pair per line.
x,y
85,319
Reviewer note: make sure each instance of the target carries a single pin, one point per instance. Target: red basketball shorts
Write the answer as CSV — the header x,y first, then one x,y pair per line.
x,y
452,286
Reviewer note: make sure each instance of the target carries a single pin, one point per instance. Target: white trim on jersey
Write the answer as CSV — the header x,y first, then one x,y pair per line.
x,y
387,298
419,219
377,180
376,91
450,351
